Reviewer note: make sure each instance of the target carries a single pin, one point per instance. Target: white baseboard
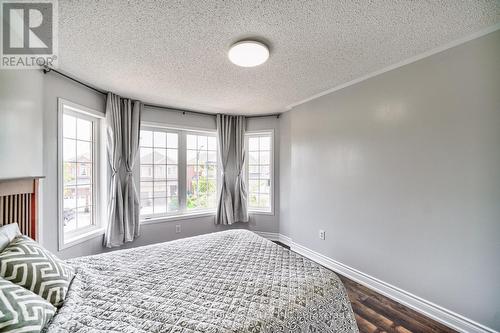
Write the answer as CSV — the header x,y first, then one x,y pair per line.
x,y
274,236
429,309
285,239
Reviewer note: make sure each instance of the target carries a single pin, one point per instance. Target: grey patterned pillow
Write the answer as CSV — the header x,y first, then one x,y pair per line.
x,y
7,233
26,263
21,310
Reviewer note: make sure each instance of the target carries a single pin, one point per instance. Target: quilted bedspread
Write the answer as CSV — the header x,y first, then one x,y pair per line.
x,y
230,281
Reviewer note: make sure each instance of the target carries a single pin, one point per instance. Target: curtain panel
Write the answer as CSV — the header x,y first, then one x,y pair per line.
x,y
123,119
232,203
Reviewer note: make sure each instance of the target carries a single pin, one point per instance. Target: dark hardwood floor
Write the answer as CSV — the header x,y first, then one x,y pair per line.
x,y
376,313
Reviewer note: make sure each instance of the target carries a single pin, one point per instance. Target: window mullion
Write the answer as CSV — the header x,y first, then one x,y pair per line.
x,y
181,169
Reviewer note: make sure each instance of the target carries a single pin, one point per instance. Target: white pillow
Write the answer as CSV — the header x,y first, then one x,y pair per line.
x,y
7,233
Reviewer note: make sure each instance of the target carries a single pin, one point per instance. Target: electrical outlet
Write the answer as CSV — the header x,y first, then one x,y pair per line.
x,y
177,228
322,234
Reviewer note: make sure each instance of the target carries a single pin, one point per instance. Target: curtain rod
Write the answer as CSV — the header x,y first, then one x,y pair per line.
x,y
48,69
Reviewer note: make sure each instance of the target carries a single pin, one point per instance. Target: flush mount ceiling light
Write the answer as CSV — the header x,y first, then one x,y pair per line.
x,y
248,53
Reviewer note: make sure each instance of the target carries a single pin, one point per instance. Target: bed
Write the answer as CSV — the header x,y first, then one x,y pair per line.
x,y
230,281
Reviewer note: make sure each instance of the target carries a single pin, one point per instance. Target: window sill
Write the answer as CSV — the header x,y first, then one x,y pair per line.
x,y
161,219
84,236
260,212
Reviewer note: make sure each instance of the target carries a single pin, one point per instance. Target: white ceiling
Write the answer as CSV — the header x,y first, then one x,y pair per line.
x,y
173,53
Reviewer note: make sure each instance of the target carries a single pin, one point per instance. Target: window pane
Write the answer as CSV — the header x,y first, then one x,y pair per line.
x,y
191,173
84,173
160,156
83,151
212,143
69,197
212,200
211,186
264,172
192,185
69,173
172,189
160,140
172,140
212,171
172,172
253,158
191,202
202,142
172,156
146,139
212,157
69,150
160,172
254,200
264,201
147,155
69,219
264,186
202,158
202,171
253,144
146,172
191,191
146,206
253,172
264,157
84,216
253,185
69,126
202,201
191,141
146,190
160,189
160,205
265,143
191,157
173,204
84,129
84,195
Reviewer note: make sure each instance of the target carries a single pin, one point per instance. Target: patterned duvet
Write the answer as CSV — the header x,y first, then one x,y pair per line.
x,y
230,281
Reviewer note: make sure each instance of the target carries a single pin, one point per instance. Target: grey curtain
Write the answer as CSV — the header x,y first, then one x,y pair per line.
x,y
123,119
232,203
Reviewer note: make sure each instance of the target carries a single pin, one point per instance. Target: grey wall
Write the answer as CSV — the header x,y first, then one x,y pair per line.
x,y
402,171
285,169
54,87
21,111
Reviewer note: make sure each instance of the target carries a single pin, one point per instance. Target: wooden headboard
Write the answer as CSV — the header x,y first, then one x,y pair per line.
x,y
19,204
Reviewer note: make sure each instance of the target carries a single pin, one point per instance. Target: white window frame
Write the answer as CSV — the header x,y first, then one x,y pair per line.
x,y
98,185
183,212
249,134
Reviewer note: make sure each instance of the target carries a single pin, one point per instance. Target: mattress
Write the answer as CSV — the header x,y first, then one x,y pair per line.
x,y
229,281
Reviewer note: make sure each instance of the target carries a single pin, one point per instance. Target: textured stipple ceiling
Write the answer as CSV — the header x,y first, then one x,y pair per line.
x,y
173,53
